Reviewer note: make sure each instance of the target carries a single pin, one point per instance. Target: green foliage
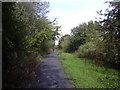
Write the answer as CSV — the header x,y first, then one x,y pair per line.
x,y
26,31
64,42
82,34
93,40
78,36
102,37
111,33
86,49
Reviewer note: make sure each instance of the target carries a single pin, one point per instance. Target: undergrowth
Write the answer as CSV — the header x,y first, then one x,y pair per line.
x,y
88,75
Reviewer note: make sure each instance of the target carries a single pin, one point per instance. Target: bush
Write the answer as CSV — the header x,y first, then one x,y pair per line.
x,y
86,50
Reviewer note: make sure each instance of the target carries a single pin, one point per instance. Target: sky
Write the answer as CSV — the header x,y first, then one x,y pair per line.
x,y
71,13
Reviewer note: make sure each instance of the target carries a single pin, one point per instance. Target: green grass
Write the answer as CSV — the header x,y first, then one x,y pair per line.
x,y
87,75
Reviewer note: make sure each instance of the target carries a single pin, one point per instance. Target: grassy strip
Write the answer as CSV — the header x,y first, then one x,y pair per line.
x,y
87,75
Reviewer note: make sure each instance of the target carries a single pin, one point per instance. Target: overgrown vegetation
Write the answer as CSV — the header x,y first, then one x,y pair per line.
x,y
87,75
27,33
97,40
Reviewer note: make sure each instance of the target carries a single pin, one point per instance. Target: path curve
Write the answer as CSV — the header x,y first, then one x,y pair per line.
x,y
50,74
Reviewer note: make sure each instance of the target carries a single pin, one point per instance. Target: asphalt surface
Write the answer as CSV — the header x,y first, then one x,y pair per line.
x,y
50,74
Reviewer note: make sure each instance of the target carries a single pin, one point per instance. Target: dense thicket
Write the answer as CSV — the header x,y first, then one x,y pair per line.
x,y
99,40
27,31
80,35
111,33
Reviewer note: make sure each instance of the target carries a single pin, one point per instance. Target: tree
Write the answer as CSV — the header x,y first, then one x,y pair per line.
x,y
64,42
111,33
26,31
86,32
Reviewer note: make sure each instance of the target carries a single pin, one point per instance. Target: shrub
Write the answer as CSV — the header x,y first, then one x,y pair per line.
x,y
86,49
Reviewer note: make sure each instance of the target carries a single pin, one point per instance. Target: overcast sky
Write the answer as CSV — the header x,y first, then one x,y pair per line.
x,y
71,13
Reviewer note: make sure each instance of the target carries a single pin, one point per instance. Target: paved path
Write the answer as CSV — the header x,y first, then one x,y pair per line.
x,y
50,74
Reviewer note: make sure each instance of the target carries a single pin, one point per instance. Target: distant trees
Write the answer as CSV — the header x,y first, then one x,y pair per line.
x,y
64,43
26,30
86,32
98,40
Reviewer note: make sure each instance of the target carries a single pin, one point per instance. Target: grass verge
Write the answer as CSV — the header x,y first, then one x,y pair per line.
x,y
87,75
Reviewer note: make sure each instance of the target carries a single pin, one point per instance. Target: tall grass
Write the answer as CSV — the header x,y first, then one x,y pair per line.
x,y
87,75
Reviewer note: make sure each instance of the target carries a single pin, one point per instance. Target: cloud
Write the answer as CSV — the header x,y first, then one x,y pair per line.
x,y
71,13
70,17
68,20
